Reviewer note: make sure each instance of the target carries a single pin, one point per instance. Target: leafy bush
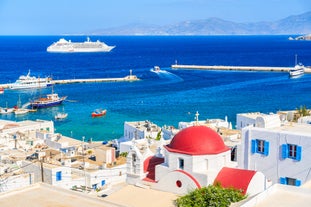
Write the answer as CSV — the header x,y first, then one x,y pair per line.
x,y
210,196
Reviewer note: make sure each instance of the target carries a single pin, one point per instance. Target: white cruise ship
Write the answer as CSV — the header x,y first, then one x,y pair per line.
x,y
28,82
88,46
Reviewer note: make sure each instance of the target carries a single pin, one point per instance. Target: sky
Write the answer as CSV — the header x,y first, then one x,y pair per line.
x,y
55,17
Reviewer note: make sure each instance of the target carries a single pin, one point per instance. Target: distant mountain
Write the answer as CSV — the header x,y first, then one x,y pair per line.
x,y
296,24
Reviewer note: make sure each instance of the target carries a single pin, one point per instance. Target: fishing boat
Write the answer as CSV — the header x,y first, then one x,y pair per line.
x,y
30,82
50,100
60,115
99,112
298,70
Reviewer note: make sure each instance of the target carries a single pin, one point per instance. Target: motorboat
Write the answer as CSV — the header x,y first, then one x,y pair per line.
x,y
61,115
30,82
1,90
99,112
62,45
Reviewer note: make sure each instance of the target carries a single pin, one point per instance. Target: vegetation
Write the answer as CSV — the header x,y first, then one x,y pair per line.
x,y
159,135
123,154
303,111
210,196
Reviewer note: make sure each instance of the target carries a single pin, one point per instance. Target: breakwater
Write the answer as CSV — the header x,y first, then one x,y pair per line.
x,y
240,68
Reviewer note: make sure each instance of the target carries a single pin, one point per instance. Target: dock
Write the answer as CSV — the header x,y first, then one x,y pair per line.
x,y
239,68
87,80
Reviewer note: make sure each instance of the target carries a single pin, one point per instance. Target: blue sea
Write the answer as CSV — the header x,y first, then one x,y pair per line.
x,y
165,98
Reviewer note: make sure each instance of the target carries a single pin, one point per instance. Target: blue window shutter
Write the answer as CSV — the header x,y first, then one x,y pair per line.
x,y
103,182
284,151
266,148
254,146
59,176
298,183
283,181
298,153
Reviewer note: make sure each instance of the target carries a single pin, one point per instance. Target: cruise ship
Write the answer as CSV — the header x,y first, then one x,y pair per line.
x,y
63,45
29,82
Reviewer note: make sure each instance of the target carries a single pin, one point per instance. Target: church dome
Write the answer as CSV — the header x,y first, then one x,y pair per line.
x,y
197,140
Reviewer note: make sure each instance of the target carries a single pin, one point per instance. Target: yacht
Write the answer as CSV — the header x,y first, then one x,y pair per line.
x,y
298,70
29,82
63,45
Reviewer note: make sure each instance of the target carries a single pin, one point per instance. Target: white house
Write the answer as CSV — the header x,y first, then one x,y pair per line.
x,y
140,130
257,119
195,157
282,153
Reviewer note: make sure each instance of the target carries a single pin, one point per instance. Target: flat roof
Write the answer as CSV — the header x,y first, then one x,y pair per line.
x,y
131,195
280,196
294,128
44,195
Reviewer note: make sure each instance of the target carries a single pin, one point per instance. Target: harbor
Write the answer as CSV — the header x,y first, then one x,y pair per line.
x,y
239,68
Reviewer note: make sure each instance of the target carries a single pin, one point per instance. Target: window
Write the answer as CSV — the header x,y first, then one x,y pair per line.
x,y
181,163
103,182
291,151
260,146
58,175
290,181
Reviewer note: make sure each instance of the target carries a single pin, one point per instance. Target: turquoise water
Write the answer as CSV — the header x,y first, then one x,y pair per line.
x,y
164,98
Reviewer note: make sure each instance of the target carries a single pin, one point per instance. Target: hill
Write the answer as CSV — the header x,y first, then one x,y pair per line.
x,y
295,24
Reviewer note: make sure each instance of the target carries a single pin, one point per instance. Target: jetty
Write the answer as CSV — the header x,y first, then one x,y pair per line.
x,y
94,80
239,68
86,80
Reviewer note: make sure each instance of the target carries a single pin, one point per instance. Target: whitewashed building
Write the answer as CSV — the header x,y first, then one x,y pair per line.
x,y
257,119
282,153
140,130
195,157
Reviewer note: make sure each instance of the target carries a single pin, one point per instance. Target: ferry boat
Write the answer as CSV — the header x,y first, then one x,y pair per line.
x,y
29,82
63,45
50,100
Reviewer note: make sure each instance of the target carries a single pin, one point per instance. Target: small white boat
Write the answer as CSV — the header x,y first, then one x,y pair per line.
x,y
6,110
61,115
157,69
20,111
298,70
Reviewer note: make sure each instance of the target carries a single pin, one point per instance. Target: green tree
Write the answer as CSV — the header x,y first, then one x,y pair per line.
x,y
210,196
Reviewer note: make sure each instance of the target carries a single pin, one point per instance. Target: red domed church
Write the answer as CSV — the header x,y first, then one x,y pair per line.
x,y
195,157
